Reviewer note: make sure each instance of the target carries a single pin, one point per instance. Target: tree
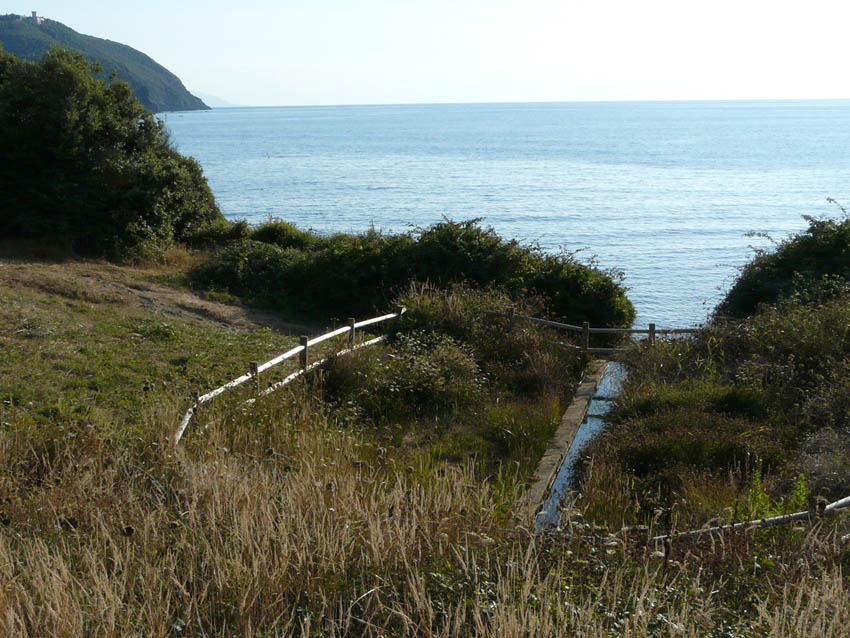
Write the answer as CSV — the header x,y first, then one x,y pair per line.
x,y
82,160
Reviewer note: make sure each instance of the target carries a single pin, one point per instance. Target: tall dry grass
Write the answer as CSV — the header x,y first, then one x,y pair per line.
x,y
278,521
287,517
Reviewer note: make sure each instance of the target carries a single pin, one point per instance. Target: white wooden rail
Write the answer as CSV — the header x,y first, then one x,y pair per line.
x,y
305,365
760,522
586,330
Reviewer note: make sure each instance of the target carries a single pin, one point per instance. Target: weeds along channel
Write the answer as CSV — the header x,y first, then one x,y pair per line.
x,y
752,417
747,420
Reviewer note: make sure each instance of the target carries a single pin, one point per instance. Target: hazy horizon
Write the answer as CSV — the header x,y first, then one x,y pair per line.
x,y
331,52
589,101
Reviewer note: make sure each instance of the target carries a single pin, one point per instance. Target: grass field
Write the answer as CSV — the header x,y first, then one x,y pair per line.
x,y
318,511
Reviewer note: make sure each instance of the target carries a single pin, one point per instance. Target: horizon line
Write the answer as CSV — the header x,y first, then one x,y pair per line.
x,y
472,103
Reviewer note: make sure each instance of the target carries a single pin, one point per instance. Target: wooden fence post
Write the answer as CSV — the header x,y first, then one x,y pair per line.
x,y
585,336
351,322
304,359
255,372
652,334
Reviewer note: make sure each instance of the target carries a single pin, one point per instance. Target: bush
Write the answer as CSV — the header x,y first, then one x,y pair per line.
x,y
285,235
458,311
812,266
457,384
516,356
352,275
218,233
84,162
419,374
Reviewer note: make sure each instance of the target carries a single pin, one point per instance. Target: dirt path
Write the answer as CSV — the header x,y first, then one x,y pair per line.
x,y
103,282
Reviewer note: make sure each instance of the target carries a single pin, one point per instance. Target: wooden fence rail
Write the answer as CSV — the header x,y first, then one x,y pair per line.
x,y
305,366
586,330
832,508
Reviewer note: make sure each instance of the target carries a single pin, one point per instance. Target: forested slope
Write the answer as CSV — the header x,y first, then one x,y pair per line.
x,y
157,88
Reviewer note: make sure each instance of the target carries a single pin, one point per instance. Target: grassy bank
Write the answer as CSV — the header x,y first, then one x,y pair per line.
x,y
326,510
751,417
748,419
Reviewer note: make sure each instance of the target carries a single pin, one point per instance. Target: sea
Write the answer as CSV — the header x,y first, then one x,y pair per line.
x,y
674,197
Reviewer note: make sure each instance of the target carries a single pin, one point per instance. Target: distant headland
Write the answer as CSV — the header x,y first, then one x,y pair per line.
x,y
157,88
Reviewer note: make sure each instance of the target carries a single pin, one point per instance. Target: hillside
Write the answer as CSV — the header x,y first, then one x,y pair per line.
x,y
293,516
155,86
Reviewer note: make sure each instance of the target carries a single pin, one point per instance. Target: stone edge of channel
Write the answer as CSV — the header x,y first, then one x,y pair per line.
x,y
560,444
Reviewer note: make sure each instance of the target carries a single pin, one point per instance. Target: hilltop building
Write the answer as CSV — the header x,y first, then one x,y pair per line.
x,y
35,18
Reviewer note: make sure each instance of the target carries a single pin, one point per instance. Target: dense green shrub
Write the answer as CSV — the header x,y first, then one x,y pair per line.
x,y
218,233
352,275
458,310
811,266
285,235
458,384
795,354
418,374
84,162
516,356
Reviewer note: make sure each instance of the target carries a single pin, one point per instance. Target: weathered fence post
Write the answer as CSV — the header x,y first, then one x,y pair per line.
x,y
652,334
585,336
399,310
351,322
255,372
304,358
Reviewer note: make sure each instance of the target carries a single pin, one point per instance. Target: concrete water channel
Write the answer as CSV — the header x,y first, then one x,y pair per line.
x,y
559,494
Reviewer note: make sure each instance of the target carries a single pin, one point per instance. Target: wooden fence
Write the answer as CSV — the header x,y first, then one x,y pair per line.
x,y
783,519
303,350
586,330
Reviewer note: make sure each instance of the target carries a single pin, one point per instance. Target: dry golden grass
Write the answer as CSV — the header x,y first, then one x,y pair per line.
x,y
308,530
282,518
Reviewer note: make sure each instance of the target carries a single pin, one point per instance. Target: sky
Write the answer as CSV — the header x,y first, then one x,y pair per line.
x,y
310,52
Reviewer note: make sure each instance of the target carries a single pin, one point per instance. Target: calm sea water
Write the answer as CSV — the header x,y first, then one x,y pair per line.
x,y
663,191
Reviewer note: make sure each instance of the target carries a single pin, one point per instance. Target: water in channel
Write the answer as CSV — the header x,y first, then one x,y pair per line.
x,y
559,494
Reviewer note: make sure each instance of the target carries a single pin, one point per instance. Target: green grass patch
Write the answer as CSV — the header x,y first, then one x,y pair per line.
x,y
105,363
